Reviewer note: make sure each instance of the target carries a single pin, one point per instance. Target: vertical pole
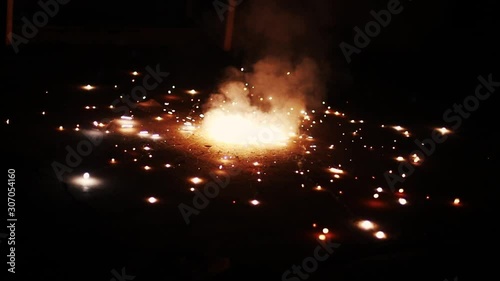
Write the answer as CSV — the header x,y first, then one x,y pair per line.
x,y
229,26
10,17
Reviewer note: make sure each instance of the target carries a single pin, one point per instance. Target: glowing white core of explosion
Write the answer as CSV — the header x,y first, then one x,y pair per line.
x,y
250,128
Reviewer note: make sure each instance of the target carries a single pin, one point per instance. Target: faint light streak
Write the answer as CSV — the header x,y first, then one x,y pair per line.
x,y
398,128
336,171
443,130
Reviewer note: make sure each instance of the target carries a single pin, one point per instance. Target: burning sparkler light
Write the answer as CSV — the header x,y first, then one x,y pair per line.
x,y
366,225
88,87
85,181
255,202
443,130
244,128
265,111
336,171
196,180
380,235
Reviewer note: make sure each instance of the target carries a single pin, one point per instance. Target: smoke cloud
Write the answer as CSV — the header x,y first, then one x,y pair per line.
x,y
285,75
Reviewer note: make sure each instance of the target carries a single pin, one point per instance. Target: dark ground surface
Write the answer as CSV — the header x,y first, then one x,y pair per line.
x,y
64,236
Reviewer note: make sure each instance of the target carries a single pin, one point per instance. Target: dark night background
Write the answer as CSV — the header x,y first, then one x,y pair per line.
x,y
428,47
427,59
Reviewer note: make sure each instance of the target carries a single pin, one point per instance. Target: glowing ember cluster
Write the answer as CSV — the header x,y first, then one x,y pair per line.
x,y
237,118
247,117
